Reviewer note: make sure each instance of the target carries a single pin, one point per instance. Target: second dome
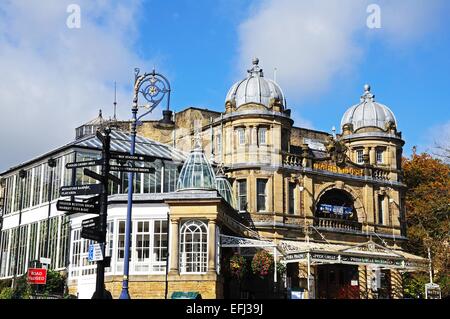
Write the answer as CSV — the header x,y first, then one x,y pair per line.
x,y
255,89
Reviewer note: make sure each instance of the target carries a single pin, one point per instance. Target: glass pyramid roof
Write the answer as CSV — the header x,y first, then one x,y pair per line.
x,y
224,188
197,172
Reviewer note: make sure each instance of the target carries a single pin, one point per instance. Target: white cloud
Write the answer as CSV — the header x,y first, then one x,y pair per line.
x,y
54,78
311,43
437,141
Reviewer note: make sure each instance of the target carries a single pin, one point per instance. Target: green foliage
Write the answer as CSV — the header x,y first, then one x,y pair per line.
x,y
281,268
6,293
23,290
427,215
238,266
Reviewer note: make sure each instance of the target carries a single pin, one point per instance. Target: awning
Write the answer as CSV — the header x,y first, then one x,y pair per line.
x,y
369,253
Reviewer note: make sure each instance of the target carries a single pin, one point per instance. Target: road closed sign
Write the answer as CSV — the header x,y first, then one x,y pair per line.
x,y
37,276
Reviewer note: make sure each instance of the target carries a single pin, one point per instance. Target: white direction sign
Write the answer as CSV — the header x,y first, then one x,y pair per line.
x,y
95,252
46,261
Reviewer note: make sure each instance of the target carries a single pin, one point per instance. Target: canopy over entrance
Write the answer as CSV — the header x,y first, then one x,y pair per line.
x,y
368,253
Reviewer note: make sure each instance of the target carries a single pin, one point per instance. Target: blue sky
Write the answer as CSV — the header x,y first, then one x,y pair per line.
x,y
55,78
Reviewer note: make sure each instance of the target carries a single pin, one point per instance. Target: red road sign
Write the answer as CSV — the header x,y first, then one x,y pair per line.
x,y
37,276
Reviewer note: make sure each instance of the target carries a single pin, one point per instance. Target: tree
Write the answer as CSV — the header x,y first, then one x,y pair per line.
x,y
427,212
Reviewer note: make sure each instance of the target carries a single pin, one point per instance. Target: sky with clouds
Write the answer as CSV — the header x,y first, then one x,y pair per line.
x,y
54,78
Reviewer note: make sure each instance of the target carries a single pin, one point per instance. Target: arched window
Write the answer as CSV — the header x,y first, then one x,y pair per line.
x,y
336,203
193,247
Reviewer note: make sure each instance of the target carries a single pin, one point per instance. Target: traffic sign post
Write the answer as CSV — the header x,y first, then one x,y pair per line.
x,y
77,207
131,169
88,189
93,228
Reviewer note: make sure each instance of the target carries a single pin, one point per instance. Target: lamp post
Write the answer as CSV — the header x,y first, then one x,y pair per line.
x,y
51,164
153,87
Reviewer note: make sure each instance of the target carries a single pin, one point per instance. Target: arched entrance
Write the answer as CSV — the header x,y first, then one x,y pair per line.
x,y
336,204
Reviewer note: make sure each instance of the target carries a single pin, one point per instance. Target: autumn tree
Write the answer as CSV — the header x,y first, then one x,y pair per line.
x,y
427,212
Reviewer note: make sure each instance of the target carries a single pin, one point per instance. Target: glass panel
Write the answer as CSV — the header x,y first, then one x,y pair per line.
x,y
261,190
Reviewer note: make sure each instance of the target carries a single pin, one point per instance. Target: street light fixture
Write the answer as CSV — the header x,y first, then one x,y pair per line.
x,y
153,87
51,164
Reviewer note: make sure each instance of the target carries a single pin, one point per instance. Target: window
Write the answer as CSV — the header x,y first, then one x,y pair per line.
x,y
4,243
219,143
380,209
291,198
379,153
193,247
160,244
359,156
142,246
37,185
241,136
242,195
63,242
121,245
262,135
261,194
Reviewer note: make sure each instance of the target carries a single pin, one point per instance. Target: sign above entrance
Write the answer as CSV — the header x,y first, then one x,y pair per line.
x,y
330,167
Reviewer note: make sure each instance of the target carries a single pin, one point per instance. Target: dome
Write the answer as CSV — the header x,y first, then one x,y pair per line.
x,y
255,88
368,113
224,188
197,172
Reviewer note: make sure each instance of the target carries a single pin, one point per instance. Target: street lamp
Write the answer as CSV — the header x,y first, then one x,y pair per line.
x,y
153,87
51,164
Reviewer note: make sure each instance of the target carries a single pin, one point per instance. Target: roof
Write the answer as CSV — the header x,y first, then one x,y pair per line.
x,y
255,88
368,113
120,142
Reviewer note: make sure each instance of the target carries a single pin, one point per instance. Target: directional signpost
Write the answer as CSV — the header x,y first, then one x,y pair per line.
x,y
84,164
77,207
131,169
95,228
88,189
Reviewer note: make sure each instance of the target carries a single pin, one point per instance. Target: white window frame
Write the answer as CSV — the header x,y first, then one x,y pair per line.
x,y
360,156
262,136
203,227
241,136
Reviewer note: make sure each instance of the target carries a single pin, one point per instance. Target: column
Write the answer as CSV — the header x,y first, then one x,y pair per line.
x,y
211,246
396,284
174,231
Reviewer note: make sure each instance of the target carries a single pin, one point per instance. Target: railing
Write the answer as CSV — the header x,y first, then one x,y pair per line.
x,y
292,159
380,174
331,223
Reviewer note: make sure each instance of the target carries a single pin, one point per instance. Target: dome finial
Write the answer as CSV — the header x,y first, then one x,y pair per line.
x,y
255,61
366,88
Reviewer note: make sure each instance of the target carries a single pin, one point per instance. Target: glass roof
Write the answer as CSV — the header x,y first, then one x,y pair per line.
x,y
197,172
224,188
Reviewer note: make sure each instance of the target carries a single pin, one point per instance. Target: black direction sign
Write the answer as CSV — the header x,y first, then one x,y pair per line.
x,y
93,175
77,207
84,164
99,177
93,223
130,169
92,200
90,233
128,157
89,189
